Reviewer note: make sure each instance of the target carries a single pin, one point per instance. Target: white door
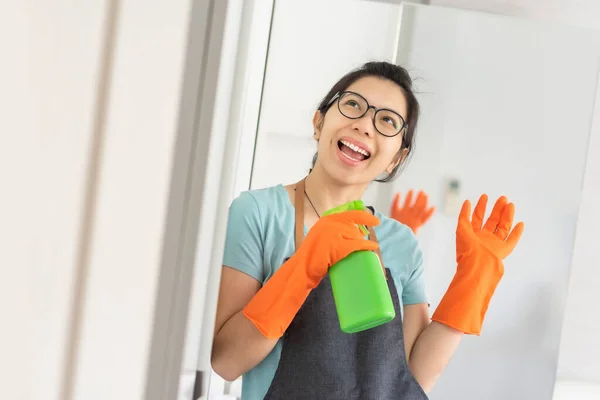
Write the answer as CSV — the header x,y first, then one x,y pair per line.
x,y
115,153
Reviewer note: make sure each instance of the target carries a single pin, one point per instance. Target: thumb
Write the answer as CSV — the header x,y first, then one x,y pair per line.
x,y
514,236
408,201
428,214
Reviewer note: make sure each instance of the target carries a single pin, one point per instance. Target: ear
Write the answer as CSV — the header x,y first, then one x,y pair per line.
x,y
398,159
317,124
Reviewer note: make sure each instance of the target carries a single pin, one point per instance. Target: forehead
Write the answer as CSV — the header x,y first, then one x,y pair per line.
x,y
380,93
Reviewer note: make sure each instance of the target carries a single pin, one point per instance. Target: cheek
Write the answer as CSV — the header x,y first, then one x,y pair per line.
x,y
334,123
326,137
388,151
325,141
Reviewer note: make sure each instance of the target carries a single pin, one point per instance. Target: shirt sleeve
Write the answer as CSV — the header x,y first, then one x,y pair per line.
x,y
414,290
243,239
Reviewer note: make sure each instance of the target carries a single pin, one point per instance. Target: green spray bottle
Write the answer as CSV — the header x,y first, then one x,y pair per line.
x,y
360,290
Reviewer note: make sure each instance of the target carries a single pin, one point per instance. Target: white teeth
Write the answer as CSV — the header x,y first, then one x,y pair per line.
x,y
351,158
355,148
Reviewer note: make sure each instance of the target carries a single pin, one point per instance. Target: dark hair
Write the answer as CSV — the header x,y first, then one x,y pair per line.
x,y
400,77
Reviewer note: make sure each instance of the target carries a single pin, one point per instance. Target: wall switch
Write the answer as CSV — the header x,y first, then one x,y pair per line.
x,y
452,203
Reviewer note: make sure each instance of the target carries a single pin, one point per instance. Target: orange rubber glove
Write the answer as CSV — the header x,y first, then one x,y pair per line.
x,y
332,238
479,254
413,215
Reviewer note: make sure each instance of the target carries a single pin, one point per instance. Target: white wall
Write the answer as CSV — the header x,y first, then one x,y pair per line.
x,y
60,42
493,118
16,236
110,88
579,358
18,155
576,390
160,196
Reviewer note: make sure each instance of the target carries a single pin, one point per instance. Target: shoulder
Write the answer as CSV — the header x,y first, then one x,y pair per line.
x,y
248,238
259,201
391,229
262,209
259,231
398,244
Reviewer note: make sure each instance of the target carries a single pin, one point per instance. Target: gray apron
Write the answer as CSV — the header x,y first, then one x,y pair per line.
x,y
320,362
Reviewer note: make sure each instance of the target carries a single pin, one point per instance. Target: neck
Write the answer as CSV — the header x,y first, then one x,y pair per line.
x,y
326,193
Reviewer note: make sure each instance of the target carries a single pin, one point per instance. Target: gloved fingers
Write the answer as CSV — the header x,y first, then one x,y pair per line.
x,y
479,213
428,213
421,202
514,237
348,246
506,221
492,223
358,217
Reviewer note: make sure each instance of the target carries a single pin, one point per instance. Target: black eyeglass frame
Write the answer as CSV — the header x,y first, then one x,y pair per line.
x,y
339,95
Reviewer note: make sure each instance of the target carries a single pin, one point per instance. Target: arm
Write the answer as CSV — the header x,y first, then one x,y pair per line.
x,y
480,252
251,316
238,346
429,346
428,349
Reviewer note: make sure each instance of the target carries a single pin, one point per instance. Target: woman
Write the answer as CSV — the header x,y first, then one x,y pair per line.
x,y
276,320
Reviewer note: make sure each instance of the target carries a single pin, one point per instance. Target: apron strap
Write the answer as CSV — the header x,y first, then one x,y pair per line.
x,y
299,223
373,237
299,206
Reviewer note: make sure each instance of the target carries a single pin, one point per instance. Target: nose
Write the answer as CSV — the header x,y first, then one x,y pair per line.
x,y
364,124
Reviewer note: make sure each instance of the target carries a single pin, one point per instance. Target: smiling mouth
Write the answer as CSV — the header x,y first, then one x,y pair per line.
x,y
352,151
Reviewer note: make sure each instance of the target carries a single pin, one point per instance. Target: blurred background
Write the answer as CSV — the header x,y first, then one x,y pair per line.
x,y
128,127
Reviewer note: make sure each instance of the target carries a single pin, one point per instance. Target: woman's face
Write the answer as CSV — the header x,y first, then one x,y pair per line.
x,y
340,137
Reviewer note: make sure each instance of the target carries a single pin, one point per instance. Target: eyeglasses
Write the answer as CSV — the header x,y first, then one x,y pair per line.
x,y
352,105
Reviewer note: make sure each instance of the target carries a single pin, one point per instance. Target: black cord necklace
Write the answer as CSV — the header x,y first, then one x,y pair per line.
x,y
311,204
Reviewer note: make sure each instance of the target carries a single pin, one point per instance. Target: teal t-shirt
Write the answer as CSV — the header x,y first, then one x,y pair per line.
x,y
260,236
